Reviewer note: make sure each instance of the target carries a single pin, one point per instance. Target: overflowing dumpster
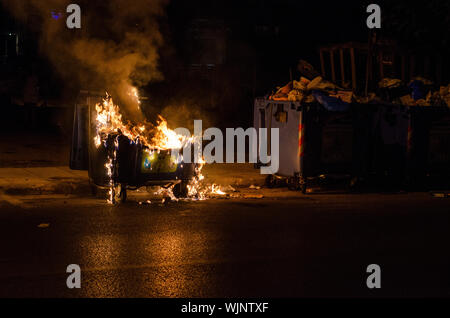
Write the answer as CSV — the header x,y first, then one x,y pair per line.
x,y
396,133
315,141
397,145
412,146
428,147
390,131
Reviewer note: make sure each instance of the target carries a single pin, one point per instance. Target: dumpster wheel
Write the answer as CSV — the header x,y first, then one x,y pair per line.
x,y
94,190
303,188
303,183
297,183
270,181
180,190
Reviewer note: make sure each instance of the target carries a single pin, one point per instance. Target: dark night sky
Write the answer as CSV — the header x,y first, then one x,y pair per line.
x,y
305,25
294,30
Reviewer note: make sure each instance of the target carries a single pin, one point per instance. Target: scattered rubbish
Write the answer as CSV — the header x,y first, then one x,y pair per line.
x,y
218,196
417,88
440,194
390,83
253,196
43,225
329,102
254,187
230,189
167,193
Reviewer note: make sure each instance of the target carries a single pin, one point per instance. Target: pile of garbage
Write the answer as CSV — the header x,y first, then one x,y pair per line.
x,y
318,89
418,92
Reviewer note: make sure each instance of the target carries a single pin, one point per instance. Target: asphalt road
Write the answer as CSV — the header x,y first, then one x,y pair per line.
x,y
294,246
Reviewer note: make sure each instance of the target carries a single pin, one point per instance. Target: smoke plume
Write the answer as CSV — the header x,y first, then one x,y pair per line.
x,y
115,49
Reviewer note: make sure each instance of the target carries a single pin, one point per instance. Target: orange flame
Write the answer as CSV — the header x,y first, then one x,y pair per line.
x,y
160,137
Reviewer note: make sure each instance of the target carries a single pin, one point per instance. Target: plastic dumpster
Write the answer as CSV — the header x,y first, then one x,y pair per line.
x,y
79,157
315,141
412,146
388,163
132,164
82,135
98,156
135,165
428,147
260,119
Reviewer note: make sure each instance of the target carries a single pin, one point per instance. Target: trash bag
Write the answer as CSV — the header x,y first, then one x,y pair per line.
x,y
420,87
319,83
417,89
295,95
391,89
302,84
285,89
330,103
345,96
282,93
370,98
444,93
389,83
407,100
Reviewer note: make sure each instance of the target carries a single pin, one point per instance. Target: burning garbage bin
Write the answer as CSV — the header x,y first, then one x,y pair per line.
x,y
160,167
119,160
99,152
123,164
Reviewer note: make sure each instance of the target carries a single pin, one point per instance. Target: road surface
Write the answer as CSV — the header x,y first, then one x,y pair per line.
x,y
316,245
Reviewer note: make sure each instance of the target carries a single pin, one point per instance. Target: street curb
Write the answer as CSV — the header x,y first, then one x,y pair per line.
x,y
240,177
82,187
70,187
63,181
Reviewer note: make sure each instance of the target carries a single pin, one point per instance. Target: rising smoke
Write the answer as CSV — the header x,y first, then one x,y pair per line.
x,y
115,49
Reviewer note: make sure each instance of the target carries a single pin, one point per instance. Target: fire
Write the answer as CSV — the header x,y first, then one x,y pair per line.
x,y
156,137
109,121
215,189
165,138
